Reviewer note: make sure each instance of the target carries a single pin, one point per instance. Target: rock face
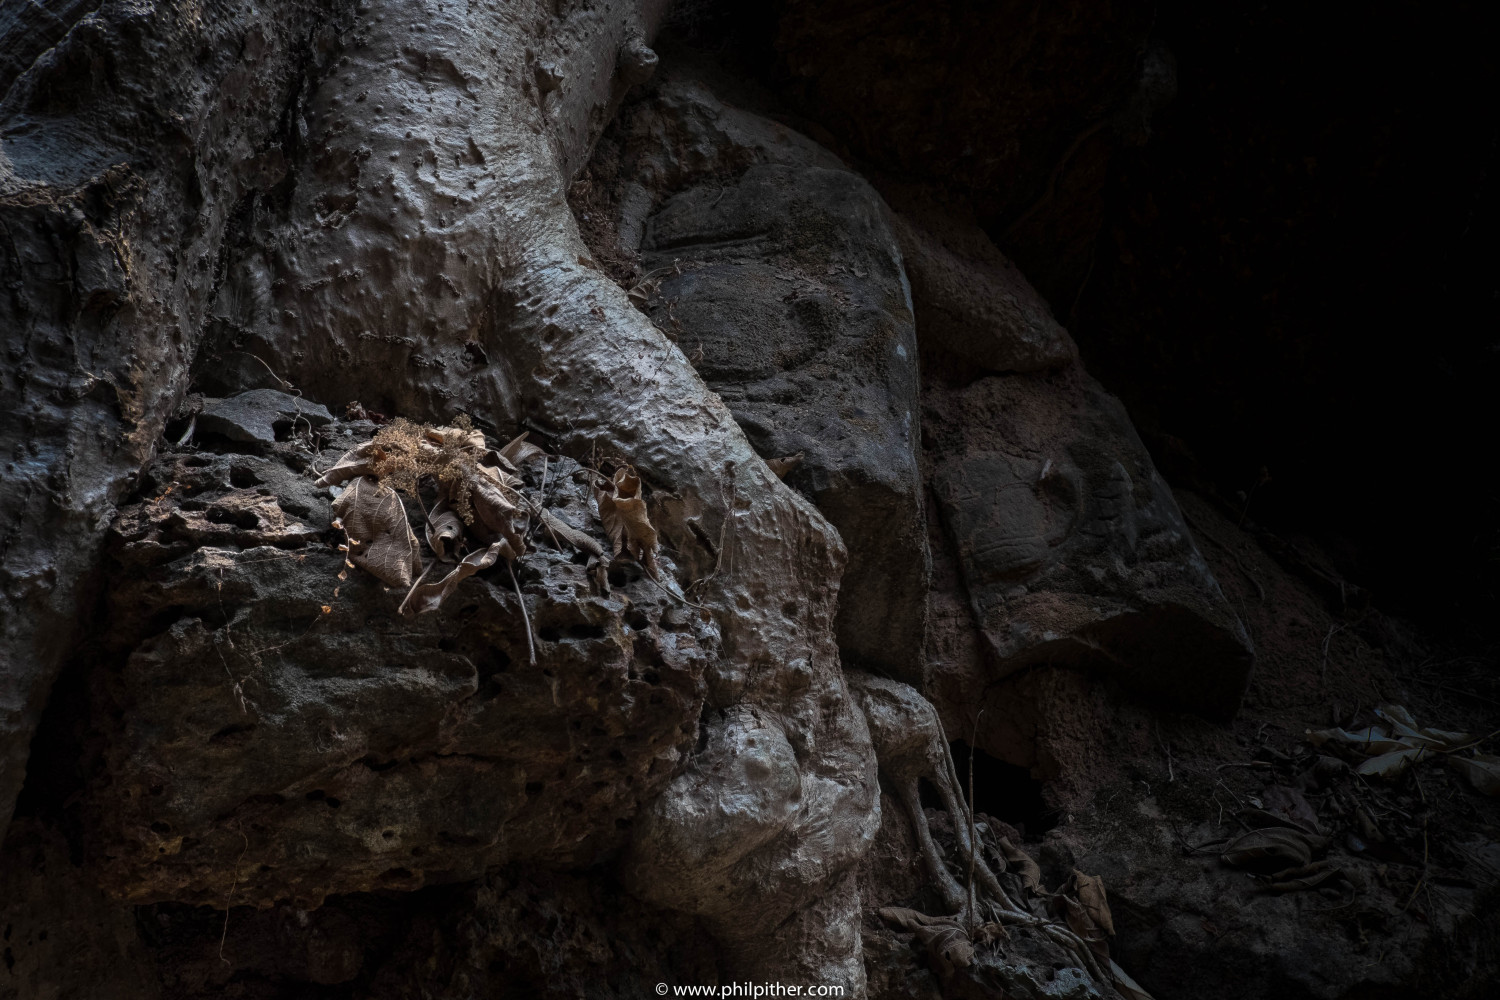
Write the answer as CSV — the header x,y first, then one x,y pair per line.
x,y
270,720
974,303
111,244
775,269
872,501
1072,549
60,936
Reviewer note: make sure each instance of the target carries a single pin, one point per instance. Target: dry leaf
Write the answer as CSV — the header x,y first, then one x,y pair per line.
x,y
1390,765
355,462
1406,726
424,597
380,539
566,532
1370,740
1020,862
622,510
459,438
494,511
1081,923
445,531
1482,770
1094,899
519,450
1274,849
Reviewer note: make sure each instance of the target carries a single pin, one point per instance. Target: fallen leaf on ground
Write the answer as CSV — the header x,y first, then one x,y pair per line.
x,y
1094,899
1406,726
1370,740
1273,849
355,462
1389,765
1482,770
1021,863
518,449
495,512
380,539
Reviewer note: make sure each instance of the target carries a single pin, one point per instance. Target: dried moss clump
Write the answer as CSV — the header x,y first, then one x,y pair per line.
x,y
403,452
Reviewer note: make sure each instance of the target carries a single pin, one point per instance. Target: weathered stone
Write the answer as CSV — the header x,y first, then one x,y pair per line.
x,y
782,280
273,722
125,129
1072,548
60,937
971,300
253,417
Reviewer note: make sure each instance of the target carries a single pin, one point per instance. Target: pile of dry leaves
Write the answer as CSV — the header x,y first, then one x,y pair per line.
x,y
479,513
1286,848
1387,750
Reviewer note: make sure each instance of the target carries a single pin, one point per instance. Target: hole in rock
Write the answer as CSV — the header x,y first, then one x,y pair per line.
x,y
243,477
238,518
490,666
1004,791
232,736
554,634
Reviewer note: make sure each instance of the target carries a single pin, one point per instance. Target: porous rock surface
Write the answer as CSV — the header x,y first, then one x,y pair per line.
x,y
267,720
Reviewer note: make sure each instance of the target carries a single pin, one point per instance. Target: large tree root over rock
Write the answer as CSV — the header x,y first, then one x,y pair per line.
x,y
418,254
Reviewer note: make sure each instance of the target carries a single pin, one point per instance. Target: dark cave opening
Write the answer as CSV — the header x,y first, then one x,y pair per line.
x,y
1002,790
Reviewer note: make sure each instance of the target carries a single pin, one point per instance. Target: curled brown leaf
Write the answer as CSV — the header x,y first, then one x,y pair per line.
x,y
1019,862
622,511
424,597
380,539
564,531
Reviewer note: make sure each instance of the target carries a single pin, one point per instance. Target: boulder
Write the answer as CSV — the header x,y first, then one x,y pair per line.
x,y
254,417
270,725
1071,548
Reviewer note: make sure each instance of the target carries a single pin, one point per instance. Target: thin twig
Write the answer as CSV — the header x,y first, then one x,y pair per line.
x,y
973,831
530,643
224,935
676,596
